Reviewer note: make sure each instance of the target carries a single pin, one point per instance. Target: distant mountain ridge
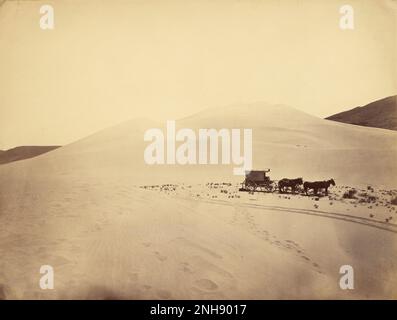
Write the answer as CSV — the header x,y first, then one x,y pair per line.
x,y
379,114
23,152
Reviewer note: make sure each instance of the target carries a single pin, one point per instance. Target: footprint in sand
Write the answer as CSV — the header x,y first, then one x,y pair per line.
x,y
206,284
293,242
160,257
185,267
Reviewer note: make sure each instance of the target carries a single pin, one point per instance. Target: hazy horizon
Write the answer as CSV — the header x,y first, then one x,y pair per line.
x,y
108,62
115,124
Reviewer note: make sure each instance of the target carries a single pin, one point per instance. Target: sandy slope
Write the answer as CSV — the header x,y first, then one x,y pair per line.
x,y
80,209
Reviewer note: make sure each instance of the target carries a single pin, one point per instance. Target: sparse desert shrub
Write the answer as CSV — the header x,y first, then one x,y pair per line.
x,y
394,201
371,199
350,194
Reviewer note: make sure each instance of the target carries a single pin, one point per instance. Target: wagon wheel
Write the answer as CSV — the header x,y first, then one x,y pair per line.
x,y
270,187
251,186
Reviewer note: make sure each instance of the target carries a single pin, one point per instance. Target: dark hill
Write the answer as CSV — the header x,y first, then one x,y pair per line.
x,y
379,114
23,152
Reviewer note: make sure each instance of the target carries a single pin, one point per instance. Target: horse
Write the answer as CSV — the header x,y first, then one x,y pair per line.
x,y
289,183
318,185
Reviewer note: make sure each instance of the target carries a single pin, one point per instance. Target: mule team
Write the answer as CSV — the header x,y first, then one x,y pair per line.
x,y
316,186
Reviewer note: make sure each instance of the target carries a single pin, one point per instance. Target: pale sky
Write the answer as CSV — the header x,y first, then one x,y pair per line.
x,y
109,61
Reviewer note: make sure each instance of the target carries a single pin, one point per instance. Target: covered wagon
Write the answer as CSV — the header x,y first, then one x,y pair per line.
x,y
256,180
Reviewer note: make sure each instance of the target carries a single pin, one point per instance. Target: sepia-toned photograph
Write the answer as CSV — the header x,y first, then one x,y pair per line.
x,y
198,150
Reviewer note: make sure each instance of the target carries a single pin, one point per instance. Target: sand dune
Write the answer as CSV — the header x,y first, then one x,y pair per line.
x,y
289,141
82,209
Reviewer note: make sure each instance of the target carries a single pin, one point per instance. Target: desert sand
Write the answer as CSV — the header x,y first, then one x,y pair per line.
x,y
115,228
